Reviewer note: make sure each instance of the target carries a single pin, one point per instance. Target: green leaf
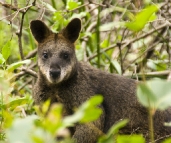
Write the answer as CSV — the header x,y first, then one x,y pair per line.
x,y
21,130
60,21
130,139
116,66
48,6
109,137
104,43
5,86
111,26
158,65
8,118
14,66
116,127
6,50
15,103
155,94
87,112
72,4
2,60
91,110
45,106
167,124
167,140
54,114
142,18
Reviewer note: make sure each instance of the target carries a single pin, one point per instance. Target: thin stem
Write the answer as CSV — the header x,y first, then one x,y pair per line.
x,y
151,127
98,38
125,43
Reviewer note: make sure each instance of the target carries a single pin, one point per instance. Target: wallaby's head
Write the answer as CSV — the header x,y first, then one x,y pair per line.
x,y
56,52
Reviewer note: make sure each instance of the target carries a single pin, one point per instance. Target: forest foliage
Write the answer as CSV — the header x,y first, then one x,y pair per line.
x,y
130,38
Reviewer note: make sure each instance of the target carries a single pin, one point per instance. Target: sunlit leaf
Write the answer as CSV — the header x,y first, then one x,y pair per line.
x,y
142,18
104,43
5,87
45,106
155,94
116,66
14,66
109,137
130,139
111,26
157,65
116,127
167,141
48,6
21,130
167,124
6,50
87,112
71,4
15,103
53,120
2,60
8,118
60,21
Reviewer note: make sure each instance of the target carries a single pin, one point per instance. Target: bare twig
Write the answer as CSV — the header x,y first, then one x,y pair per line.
x,y
120,51
164,137
150,74
150,48
30,72
19,32
26,83
11,7
78,7
24,71
125,43
91,2
31,54
85,39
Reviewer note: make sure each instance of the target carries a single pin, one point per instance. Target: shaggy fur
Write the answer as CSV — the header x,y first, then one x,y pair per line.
x,y
64,79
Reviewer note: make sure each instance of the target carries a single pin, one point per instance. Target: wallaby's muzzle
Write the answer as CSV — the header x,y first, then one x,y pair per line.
x,y
54,73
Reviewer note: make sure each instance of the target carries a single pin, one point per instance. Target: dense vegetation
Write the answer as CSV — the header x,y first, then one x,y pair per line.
x,y
131,38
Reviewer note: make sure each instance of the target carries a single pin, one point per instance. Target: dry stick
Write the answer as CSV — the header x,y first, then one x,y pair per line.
x,y
85,39
19,33
151,127
24,71
150,74
27,82
31,54
29,71
130,42
78,7
151,47
162,138
11,7
91,2
120,51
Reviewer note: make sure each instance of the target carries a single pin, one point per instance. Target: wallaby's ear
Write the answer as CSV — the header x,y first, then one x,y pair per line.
x,y
39,30
72,30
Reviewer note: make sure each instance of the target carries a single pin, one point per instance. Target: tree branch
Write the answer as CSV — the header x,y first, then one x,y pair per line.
x,y
19,32
125,43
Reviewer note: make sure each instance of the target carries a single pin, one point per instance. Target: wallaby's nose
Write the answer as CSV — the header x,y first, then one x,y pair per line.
x,y
55,73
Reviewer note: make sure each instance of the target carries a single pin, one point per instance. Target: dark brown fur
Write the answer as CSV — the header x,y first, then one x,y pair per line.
x,y
81,81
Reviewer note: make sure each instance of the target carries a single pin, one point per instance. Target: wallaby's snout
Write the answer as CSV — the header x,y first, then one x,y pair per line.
x,y
54,72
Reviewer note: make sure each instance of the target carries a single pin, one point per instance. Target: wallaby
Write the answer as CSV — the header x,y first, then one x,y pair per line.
x,y
62,78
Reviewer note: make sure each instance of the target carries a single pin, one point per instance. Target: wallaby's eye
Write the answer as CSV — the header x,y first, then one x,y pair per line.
x,y
45,55
65,56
